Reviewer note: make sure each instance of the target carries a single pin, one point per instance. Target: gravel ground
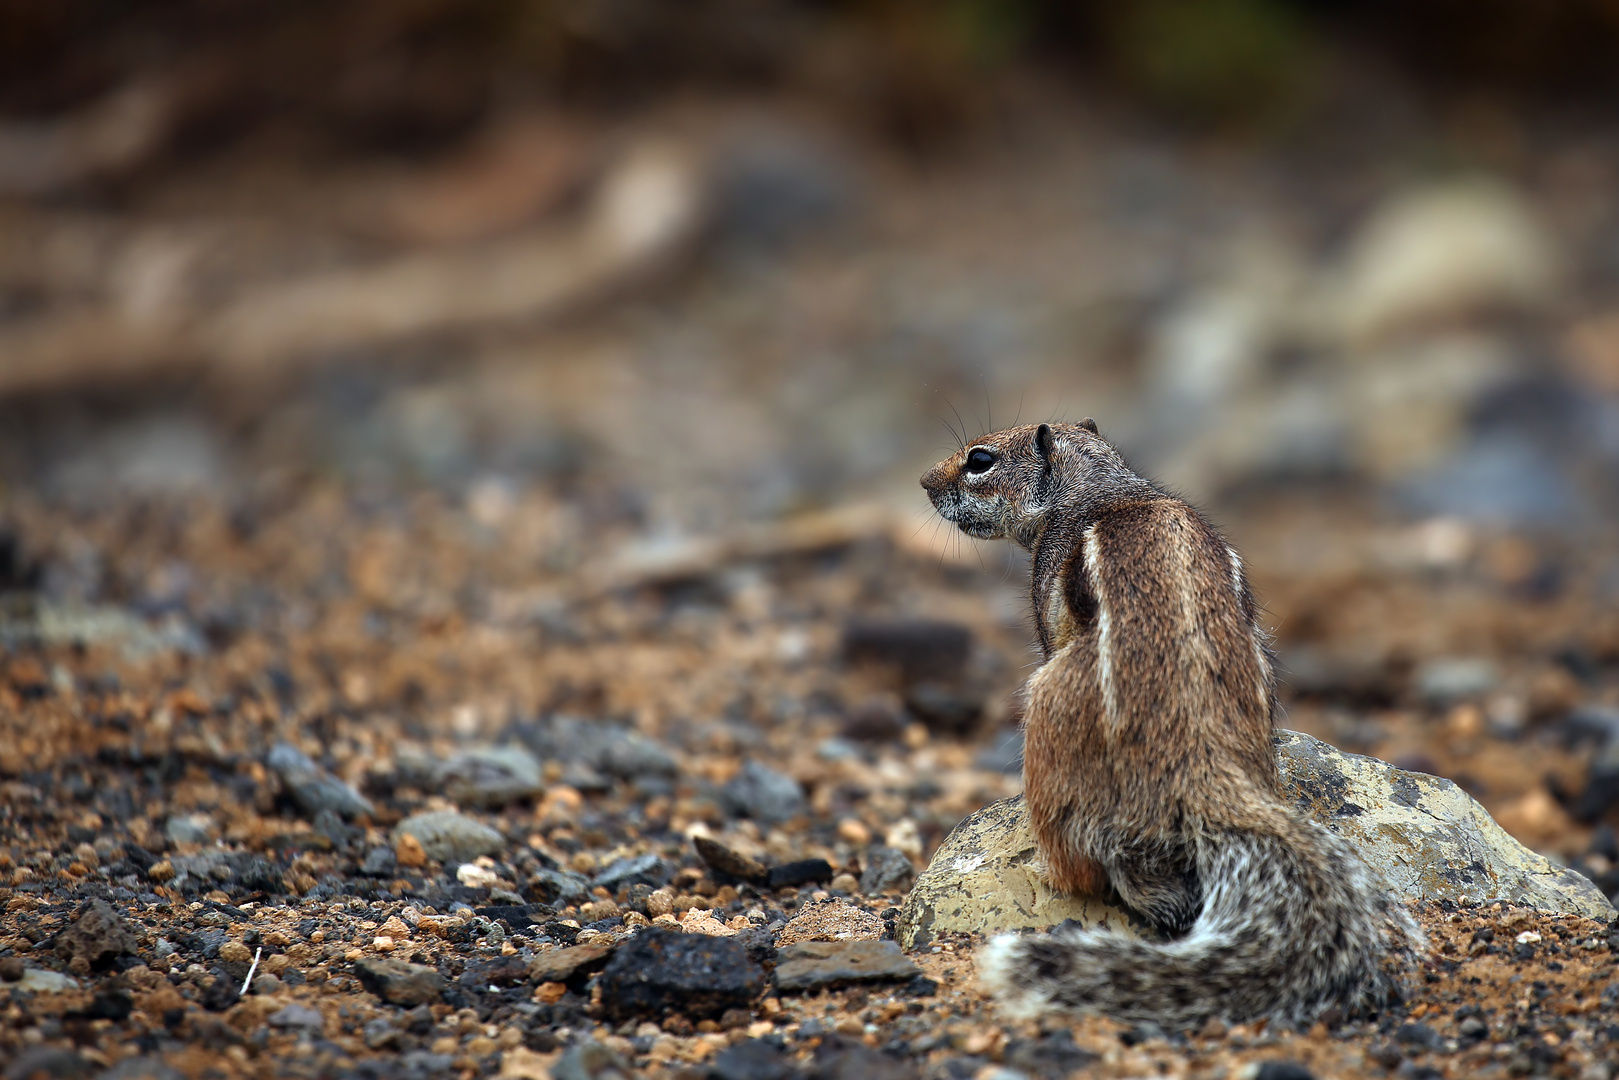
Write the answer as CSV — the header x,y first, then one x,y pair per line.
x,y
453,792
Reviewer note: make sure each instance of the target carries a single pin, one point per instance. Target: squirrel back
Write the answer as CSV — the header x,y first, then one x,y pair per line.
x,y
1148,763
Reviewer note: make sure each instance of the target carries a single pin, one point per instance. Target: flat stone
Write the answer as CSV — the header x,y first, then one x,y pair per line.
x,y
662,971
491,776
816,965
298,1018
560,965
1429,839
450,837
398,982
311,787
732,864
760,792
887,870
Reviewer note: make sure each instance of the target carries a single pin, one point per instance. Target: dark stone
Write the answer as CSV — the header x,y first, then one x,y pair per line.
x,y
1141,1033
379,862
11,969
46,1063
919,648
1283,1070
753,1059
730,865
223,993
944,708
640,870
803,872
558,887
887,870
590,1060
613,749
1053,1057
98,936
312,788
662,971
398,982
1420,1036
817,965
113,1005
560,965
760,792
837,1058
517,916
486,973
143,1068
874,721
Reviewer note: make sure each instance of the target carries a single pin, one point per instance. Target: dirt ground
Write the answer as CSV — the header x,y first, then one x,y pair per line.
x,y
375,635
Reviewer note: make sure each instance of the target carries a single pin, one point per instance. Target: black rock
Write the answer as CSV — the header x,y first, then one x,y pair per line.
x,y
760,792
809,966
753,1059
1053,1057
919,648
1283,1070
517,916
223,993
730,865
501,971
312,788
591,1060
598,745
662,971
803,872
1419,1036
379,862
398,982
874,721
46,1062
887,870
640,870
558,887
837,1058
143,1068
944,708
99,936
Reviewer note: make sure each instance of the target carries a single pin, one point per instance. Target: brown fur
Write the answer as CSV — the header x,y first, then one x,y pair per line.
x,y
1148,762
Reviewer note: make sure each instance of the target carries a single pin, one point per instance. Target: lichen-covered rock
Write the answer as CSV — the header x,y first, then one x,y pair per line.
x,y
1428,838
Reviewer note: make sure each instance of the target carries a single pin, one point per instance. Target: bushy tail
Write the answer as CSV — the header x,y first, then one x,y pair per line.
x,y
1292,924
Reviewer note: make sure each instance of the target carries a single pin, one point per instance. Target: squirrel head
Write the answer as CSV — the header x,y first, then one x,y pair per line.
x,y
1004,485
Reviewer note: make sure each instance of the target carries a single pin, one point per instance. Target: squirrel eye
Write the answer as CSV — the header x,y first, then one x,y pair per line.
x,y
980,461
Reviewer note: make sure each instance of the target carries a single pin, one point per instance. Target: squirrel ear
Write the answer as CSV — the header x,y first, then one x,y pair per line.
x,y
1045,441
1089,425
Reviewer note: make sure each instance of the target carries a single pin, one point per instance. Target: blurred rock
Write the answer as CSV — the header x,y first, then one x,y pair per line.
x,y
877,720
919,648
886,871
732,865
191,829
772,187
945,709
1443,251
753,1059
801,872
838,1058
607,747
46,1063
1506,481
591,1060
491,776
811,966
760,792
450,837
398,982
1447,681
299,1018
633,870
41,981
558,887
312,788
662,971
1428,838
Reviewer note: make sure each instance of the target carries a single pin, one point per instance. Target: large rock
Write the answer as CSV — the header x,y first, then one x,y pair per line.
x,y
1429,839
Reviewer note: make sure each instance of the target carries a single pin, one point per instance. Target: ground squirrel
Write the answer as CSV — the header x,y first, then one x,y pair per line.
x,y
1148,762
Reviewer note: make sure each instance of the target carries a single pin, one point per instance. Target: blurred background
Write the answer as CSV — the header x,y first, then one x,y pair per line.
x,y
1345,273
